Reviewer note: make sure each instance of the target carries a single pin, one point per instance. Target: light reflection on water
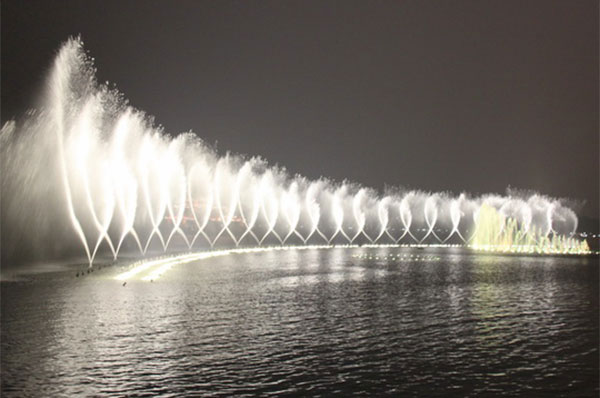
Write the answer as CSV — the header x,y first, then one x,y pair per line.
x,y
312,322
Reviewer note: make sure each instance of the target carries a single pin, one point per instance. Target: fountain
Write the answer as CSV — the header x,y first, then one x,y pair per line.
x,y
88,166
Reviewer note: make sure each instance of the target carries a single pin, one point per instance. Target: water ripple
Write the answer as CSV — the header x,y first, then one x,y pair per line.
x,y
316,323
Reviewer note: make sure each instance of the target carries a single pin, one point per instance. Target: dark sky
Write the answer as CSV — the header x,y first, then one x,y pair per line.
x,y
438,95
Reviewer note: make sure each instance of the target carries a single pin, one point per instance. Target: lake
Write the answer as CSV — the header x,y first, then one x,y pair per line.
x,y
353,321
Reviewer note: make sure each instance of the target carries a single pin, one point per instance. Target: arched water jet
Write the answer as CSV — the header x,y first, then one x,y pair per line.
x,y
430,213
198,168
108,206
383,215
84,136
314,211
338,214
359,215
455,216
175,174
406,218
246,174
145,164
269,206
227,214
125,184
291,209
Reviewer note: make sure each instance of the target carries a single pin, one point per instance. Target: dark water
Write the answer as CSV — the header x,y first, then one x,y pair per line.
x,y
318,322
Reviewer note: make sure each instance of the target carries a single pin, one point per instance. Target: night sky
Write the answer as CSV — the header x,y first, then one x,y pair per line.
x,y
438,95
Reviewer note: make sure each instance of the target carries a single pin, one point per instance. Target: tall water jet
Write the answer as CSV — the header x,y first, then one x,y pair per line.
x,y
70,53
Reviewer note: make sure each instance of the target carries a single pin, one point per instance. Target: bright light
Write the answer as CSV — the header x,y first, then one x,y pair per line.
x,y
160,266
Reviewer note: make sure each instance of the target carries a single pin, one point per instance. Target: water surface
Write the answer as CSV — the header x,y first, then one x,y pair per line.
x,y
397,322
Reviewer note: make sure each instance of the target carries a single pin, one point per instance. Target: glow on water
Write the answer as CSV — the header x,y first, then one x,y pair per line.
x,y
160,266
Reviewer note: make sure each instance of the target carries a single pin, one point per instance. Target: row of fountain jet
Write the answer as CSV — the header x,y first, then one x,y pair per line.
x,y
157,194
118,175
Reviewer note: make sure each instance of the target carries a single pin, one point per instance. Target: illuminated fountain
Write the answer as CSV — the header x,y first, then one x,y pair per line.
x,y
497,233
121,182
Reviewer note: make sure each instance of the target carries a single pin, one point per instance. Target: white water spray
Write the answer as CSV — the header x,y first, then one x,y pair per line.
x,y
121,176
